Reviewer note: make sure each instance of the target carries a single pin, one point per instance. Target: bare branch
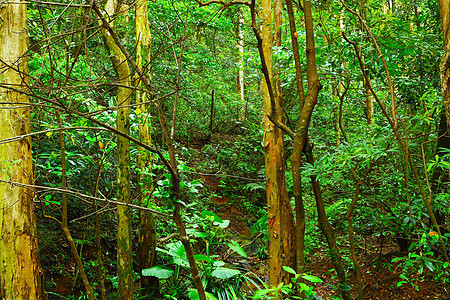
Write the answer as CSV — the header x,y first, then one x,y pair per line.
x,y
83,197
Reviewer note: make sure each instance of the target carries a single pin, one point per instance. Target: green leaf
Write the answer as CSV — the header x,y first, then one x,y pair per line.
x,y
176,250
345,287
196,233
429,265
202,257
237,248
224,224
224,273
193,295
212,215
400,283
218,263
289,270
158,271
55,202
311,278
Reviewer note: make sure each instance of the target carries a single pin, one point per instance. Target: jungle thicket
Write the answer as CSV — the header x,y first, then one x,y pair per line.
x,y
224,149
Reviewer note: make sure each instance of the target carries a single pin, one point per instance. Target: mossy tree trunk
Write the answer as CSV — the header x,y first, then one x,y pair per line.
x,y
124,238
147,226
444,6
20,273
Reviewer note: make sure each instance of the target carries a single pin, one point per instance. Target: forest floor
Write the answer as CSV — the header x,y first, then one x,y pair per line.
x,y
380,276
379,282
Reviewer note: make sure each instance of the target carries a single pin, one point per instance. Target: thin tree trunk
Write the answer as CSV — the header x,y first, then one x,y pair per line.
x,y
444,6
100,268
63,223
147,225
172,165
20,272
211,115
124,251
273,147
296,157
328,230
177,82
240,63
349,214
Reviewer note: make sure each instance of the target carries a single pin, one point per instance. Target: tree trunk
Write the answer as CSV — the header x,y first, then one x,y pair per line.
x,y
277,196
328,230
288,229
367,94
147,225
20,272
124,251
240,63
300,220
444,6
64,215
440,176
171,166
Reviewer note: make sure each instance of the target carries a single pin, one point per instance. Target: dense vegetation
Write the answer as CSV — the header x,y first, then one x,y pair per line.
x,y
148,127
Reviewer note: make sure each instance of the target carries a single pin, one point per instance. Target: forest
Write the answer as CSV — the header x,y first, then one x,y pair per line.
x,y
224,149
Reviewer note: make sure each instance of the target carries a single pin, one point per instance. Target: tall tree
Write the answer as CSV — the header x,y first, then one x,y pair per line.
x,y
147,226
20,276
444,7
240,63
124,251
281,223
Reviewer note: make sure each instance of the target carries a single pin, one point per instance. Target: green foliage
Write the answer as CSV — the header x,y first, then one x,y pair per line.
x,y
288,291
415,267
70,66
220,281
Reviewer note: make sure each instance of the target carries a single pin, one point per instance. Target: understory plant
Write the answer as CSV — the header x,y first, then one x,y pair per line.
x,y
221,282
291,290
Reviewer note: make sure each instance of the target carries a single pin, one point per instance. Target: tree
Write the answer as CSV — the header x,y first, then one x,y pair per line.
x,y
20,273
240,63
147,225
124,238
282,243
444,7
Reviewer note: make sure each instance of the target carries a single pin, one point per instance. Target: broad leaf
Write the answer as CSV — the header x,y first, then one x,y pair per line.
x,y
224,224
202,257
237,248
158,271
176,250
289,270
193,295
211,215
224,273
311,278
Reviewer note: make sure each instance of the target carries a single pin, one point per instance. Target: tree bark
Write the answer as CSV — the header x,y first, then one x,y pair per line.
x,y
280,217
20,272
147,225
296,160
444,7
240,63
124,251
